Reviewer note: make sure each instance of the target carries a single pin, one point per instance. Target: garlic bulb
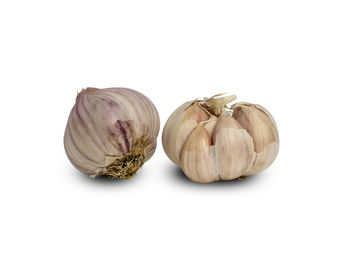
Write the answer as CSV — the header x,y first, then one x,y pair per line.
x,y
211,142
111,132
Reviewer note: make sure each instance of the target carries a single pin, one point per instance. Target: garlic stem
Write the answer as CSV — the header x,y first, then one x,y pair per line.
x,y
216,105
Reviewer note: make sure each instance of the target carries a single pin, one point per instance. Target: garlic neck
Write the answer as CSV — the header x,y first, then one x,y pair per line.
x,y
216,104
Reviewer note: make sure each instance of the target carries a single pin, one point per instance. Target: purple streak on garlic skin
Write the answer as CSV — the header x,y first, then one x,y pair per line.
x,y
122,126
108,122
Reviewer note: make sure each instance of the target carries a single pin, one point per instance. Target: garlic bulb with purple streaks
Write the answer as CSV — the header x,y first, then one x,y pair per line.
x,y
212,142
111,132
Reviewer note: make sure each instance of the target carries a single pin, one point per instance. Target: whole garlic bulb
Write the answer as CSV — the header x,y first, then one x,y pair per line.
x,y
111,132
211,142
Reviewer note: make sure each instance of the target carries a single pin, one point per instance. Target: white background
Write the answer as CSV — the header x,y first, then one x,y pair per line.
x,y
293,57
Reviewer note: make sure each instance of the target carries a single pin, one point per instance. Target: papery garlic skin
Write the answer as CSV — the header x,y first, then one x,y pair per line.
x,y
111,132
211,142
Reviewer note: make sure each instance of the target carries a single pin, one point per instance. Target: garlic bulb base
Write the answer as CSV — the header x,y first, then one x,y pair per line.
x,y
125,167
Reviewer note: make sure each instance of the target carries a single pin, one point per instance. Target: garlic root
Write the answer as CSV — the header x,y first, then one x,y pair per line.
x,y
126,166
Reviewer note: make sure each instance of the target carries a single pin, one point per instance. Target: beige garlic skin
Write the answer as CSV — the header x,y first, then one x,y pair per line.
x,y
212,142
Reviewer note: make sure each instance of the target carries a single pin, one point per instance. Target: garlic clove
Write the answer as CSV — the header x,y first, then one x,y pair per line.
x,y
178,127
196,161
262,127
234,148
210,125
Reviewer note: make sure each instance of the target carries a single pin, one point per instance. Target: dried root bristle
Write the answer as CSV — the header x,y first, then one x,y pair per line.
x,y
126,166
